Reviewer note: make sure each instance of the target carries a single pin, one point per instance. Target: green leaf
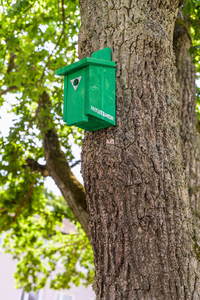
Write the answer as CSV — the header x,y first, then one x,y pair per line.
x,y
34,44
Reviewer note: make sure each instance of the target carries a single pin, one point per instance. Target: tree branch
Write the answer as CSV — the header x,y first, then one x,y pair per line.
x,y
62,32
74,164
63,15
50,55
24,13
20,207
198,126
35,166
24,201
181,22
51,253
58,167
11,64
11,88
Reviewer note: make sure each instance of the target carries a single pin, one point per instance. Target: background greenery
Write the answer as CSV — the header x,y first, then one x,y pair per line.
x,y
37,38
192,18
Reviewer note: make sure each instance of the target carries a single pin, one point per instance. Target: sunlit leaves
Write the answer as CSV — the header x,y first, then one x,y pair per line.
x,y
41,247
37,38
192,12
198,102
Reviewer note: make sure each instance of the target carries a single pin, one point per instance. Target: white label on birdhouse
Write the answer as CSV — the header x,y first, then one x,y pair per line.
x,y
102,113
75,82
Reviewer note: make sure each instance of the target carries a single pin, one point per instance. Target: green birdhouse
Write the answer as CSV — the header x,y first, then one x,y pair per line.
x,y
89,92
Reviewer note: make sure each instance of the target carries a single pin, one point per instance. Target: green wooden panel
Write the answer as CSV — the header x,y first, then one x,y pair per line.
x,y
101,101
93,124
65,99
89,92
103,54
76,97
83,63
109,93
94,88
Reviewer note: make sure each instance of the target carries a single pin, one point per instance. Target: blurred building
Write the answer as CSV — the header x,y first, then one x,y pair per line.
x,y
8,292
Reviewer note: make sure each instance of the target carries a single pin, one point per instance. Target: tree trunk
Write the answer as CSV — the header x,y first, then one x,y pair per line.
x,y
143,216
186,75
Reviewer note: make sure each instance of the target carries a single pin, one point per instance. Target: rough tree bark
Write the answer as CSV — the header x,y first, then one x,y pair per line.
x,y
141,177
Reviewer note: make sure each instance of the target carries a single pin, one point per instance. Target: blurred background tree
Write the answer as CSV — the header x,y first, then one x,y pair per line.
x,y
37,38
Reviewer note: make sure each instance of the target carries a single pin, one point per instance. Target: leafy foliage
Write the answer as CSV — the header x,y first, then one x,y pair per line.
x,y
192,13
41,247
37,38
